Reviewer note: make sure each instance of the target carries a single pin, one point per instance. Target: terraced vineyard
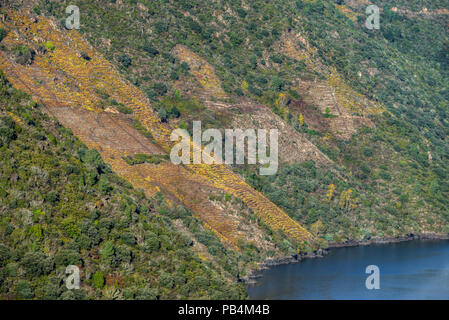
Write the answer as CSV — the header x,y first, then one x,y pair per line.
x,y
350,108
202,70
266,211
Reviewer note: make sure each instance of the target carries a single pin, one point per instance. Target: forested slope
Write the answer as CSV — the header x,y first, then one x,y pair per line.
x,y
62,205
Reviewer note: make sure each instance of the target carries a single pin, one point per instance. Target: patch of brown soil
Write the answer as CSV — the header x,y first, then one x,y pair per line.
x,y
293,146
112,131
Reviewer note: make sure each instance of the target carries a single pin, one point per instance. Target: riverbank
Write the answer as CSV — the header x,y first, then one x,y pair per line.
x,y
386,240
417,270
269,263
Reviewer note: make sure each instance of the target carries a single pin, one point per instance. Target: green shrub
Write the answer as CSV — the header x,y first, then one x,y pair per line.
x,y
152,244
166,280
52,288
146,294
37,264
160,89
24,55
12,269
98,280
84,242
2,34
71,228
124,109
125,60
152,51
108,251
128,239
52,197
4,255
105,186
123,254
49,46
24,290
67,257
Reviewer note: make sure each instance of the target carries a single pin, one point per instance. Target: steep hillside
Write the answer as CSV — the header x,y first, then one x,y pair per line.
x,y
362,114
80,88
61,204
373,102
62,76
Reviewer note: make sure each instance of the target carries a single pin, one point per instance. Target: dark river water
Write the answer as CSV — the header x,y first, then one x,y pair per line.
x,y
407,270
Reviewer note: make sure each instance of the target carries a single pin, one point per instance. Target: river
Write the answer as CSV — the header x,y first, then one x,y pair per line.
x,y
407,270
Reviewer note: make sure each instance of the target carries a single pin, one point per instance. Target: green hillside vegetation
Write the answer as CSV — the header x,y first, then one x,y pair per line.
x,y
400,168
